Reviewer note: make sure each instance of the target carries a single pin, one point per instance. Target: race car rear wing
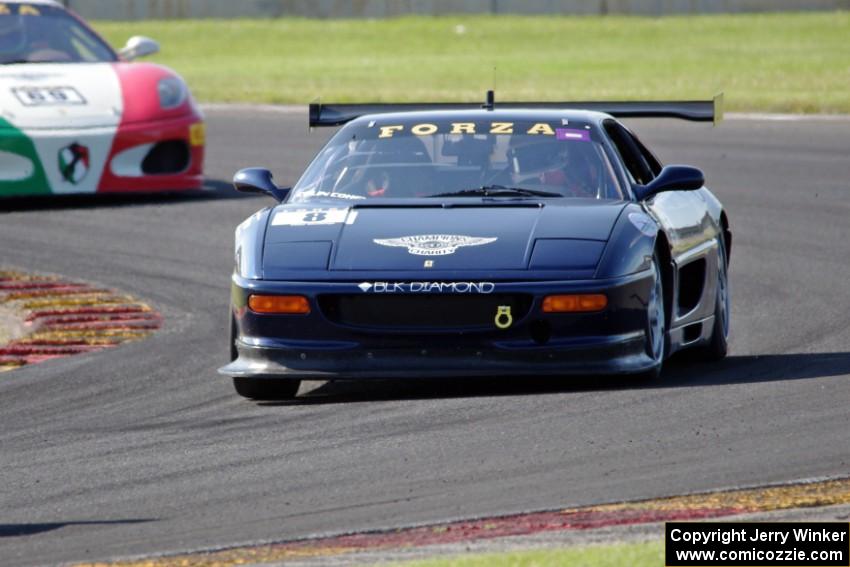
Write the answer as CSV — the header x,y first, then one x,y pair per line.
x,y
694,110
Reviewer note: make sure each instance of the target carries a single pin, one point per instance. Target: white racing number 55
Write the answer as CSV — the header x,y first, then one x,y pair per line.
x,y
48,96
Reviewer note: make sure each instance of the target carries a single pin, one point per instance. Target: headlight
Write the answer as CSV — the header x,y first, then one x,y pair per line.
x,y
172,92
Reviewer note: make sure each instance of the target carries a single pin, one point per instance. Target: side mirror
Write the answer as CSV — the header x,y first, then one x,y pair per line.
x,y
672,178
138,46
258,180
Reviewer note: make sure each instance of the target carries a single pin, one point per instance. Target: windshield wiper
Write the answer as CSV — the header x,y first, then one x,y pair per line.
x,y
498,191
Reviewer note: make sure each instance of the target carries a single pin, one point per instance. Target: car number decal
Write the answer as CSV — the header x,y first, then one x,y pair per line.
x,y
48,96
310,217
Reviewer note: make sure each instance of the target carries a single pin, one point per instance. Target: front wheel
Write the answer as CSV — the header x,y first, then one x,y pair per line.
x,y
260,389
266,389
656,323
234,353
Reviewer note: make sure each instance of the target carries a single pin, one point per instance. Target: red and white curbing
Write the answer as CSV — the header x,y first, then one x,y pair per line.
x,y
64,318
702,506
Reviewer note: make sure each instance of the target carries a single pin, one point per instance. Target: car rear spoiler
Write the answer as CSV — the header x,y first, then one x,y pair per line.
x,y
694,110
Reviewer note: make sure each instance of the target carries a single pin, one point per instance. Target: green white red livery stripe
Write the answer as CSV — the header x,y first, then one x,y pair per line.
x,y
21,172
59,132
89,127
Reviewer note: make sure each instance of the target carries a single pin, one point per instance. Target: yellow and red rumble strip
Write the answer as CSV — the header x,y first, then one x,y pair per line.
x,y
691,507
64,318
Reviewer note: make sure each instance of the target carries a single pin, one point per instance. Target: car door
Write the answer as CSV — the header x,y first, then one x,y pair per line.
x,y
686,221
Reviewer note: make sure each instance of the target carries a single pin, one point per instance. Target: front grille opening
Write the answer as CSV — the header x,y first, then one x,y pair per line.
x,y
166,158
425,311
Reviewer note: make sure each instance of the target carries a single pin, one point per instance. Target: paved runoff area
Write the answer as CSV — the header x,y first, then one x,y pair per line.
x,y
144,450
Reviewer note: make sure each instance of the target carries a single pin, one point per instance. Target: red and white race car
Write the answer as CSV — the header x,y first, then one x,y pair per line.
x,y
77,117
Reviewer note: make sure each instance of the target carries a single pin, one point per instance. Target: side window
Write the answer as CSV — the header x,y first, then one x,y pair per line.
x,y
639,169
650,159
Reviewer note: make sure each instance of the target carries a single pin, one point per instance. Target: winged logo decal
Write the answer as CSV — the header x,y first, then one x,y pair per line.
x,y
434,244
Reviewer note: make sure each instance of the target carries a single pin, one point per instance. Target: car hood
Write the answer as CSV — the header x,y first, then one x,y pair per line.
x,y
451,237
91,91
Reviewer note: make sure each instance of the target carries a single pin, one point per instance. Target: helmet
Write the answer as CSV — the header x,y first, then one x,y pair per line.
x,y
535,155
558,163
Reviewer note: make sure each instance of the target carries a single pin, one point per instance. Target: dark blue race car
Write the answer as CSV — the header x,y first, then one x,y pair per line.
x,y
461,240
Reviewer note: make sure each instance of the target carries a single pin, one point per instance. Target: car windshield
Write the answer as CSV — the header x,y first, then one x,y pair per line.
x,y
37,33
391,158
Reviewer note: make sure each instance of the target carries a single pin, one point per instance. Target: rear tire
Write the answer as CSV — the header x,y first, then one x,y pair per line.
x,y
656,324
719,344
266,389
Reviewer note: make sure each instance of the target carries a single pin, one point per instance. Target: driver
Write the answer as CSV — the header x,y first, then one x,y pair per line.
x,y
29,39
555,163
12,36
45,45
377,183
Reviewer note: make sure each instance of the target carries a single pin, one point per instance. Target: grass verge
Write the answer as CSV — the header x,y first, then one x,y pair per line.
x,y
770,62
650,554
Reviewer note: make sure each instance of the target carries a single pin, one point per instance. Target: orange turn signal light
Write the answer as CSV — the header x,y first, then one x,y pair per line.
x,y
279,304
583,303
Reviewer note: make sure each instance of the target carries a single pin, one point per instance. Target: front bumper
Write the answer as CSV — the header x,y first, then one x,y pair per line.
x,y
315,347
161,155
136,143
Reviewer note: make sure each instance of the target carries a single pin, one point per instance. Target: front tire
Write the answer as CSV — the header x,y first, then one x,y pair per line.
x,y
234,353
656,324
266,389
260,389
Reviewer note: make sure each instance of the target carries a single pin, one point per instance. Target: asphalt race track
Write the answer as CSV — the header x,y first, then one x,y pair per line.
x,y
144,448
